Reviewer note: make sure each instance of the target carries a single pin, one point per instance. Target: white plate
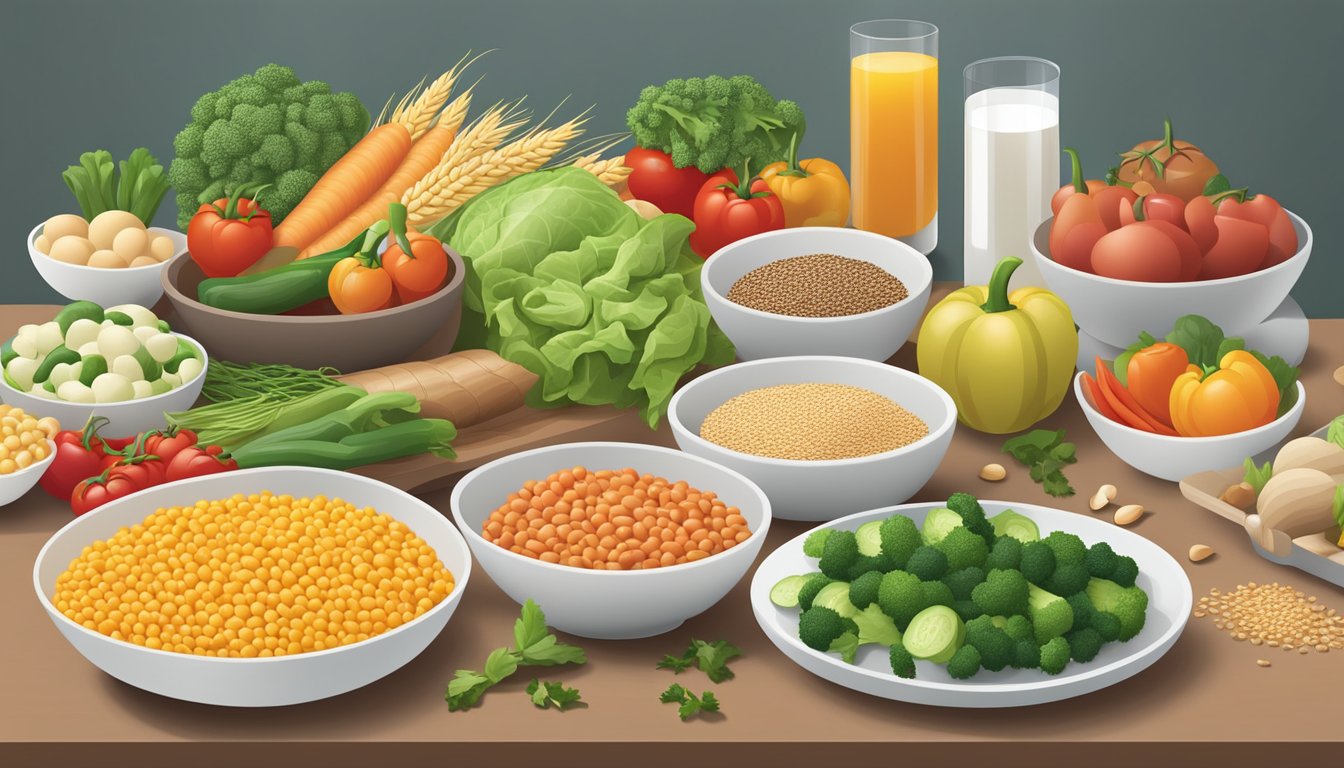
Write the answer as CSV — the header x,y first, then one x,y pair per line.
x,y
1169,603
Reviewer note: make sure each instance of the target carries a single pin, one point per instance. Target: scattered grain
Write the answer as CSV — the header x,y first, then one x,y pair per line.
x,y
819,285
1274,616
1262,662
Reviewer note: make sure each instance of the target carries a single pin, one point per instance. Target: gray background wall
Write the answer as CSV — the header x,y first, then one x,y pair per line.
x,y
1255,83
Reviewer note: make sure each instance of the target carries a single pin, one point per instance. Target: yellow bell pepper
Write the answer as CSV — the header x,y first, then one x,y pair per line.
x,y
814,192
1240,395
1006,360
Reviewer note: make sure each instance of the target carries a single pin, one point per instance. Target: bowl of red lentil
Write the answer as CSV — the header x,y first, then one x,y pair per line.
x,y
817,291
255,588
614,540
823,436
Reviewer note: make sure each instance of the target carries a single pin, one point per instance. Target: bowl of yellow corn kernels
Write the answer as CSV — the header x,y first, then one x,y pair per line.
x,y
254,588
26,450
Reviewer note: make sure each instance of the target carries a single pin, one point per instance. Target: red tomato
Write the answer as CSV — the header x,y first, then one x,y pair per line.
x,y
1199,213
1241,248
1143,252
1075,187
654,178
1109,202
229,235
197,462
419,274
1191,259
1158,206
79,455
1074,231
726,211
1265,211
120,480
167,444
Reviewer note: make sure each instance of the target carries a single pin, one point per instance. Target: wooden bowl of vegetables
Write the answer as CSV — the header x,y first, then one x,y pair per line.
x,y
265,321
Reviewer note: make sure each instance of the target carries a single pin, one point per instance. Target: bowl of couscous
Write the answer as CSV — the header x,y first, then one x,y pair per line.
x,y
824,437
614,540
254,588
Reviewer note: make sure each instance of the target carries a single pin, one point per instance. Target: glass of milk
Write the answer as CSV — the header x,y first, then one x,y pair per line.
x,y
1012,162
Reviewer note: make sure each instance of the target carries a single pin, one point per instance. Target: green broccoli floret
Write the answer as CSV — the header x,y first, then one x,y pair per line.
x,y
965,663
1005,554
1026,654
967,609
863,590
994,645
1017,626
936,593
963,549
1107,625
838,554
1128,604
900,596
876,627
902,663
810,589
972,516
1082,609
263,128
1003,593
865,563
1050,614
1055,656
1126,571
819,627
1084,644
816,541
1100,560
713,122
1067,547
927,563
1068,579
900,538
1038,562
963,581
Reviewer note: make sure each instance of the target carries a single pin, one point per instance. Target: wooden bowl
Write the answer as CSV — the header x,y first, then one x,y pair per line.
x,y
348,343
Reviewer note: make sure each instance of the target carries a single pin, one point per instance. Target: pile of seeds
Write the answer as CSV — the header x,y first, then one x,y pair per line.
x,y
812,422
1274,615
820,285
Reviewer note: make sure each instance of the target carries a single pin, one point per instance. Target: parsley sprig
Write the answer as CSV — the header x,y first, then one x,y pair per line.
x,y
690,704
1045,454
711,658
534,646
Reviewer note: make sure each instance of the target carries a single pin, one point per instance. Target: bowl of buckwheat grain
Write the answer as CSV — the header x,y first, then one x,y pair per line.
x,y
817,291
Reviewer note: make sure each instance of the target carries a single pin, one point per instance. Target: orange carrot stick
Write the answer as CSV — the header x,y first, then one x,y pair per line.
x,y
1124,403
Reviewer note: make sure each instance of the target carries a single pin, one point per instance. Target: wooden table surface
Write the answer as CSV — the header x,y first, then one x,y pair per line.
x,y
1205,703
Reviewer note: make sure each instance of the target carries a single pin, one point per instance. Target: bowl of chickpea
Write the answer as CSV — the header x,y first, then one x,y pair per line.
x,y
26,450
614,540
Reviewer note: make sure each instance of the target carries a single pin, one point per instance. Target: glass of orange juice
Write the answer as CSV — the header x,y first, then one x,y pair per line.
x,y
893,129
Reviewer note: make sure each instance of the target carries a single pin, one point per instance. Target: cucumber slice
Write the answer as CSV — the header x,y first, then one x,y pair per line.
x,y
836,597
937,524
1020,527
870,538
94,366
935,634
785,592
79,310
61,354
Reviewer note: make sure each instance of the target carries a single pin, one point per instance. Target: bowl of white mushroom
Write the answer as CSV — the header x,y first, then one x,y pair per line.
x,y
122,363
113,259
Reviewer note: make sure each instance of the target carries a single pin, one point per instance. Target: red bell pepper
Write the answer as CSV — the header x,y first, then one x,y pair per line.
x,y
79,454
229,235
196,461
655,179
727,210
122,479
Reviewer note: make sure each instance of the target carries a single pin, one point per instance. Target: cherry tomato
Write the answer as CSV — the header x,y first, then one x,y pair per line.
x,y
197,462
358,286
1158,206
419,274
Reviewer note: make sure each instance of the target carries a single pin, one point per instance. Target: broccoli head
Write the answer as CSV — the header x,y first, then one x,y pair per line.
x,y
900,538
1126,571
1084,644
1006,554
972,515
994,645
967,609
1100,560
1050,614
818,627
1003,593
1038,562
1017,626
838,554
863,590
963,581
936,593
815,541
1067,547
1107,625
1128,604
865,563
963,549
902,663
1026,654
1082,610
900,595
965,663
810,589
264,128
1068,579
927,563
1055,656
715,122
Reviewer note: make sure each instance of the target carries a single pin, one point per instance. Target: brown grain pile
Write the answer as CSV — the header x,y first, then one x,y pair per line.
x,y
812,422
819,285
1274,615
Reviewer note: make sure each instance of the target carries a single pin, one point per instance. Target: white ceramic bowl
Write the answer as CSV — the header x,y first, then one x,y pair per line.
x,y
872,335
822,490
1116,311
1173,458
106,287
124,418
612,605
15,484
261,682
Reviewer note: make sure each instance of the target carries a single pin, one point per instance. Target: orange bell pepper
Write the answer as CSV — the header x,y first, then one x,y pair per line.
x,y
1150,374
814,192
1239,396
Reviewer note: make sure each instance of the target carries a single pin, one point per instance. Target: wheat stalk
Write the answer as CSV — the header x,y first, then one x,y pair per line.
x,y
489,130
419,115
610,171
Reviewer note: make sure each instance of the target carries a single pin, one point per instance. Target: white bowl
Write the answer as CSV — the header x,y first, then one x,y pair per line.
x,y
872,335
260,682
1173,458
106,287
127,417
822,490
612,605
1116,311
14,485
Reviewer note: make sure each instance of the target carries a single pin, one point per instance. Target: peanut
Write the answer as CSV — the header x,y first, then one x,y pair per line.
x,y
1201,552
1241,495
1104,496
1128,514
993,473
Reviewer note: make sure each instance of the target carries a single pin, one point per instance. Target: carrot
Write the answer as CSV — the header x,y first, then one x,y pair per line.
x,y
1092,390
466,388
1123,403
349,182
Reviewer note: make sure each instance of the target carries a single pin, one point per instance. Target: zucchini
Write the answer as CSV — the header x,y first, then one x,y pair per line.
x,y
937,524
276,290
61,354
869,538
785,592
935,634
78,310
836,597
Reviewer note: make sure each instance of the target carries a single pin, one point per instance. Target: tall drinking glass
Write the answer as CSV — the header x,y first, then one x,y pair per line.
x,y
1012,162
893,129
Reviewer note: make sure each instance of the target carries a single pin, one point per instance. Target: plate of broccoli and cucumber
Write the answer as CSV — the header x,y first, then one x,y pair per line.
x,y
971,603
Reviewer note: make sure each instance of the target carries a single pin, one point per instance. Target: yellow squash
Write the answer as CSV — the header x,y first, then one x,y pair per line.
x,y
1006,360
